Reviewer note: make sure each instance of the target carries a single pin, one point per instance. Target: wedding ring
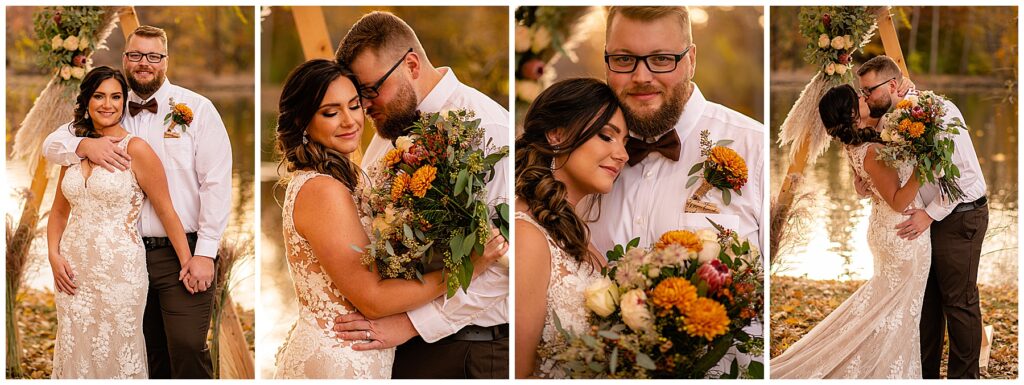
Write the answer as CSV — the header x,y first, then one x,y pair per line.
x,y
367,335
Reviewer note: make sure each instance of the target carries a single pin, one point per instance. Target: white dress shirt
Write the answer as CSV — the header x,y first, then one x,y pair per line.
x,y
198,164
648,199
971,181
486,304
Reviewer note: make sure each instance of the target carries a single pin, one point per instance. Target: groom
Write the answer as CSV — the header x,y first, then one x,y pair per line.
x,y
198,168
666,112
465,336
957,231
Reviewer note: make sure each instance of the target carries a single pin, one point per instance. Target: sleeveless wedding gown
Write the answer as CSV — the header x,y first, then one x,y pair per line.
x,y
99,329
874,333
312,350
569,279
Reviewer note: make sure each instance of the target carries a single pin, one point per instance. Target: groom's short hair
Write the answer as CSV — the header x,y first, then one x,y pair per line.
x,y
150,32
381,32
883,66
648,14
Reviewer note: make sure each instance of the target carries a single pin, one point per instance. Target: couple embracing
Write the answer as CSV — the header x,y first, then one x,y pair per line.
x,y
351,319
599,164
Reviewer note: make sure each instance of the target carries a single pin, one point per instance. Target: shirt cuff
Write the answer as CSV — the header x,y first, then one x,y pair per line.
x,y
937,211
207,248
430,322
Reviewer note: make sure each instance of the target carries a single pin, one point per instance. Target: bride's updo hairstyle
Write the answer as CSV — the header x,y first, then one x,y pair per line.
x,y
81,123
840,114
301,96
577,109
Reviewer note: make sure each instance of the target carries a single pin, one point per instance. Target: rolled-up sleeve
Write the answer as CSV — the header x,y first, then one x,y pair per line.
x,y
59,147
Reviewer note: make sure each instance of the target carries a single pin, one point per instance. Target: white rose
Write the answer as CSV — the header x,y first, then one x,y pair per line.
x,y
541,39
403,143
65,72
71,43
885,135
83,43
634,311
57,42
523,40
602,297
711,247
841,69
848,42
838,42
78,72
528,90
830,68
654,272
823,41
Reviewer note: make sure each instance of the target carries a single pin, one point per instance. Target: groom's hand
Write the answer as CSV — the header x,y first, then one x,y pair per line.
x,y
198,274
104,152
912,228
381,333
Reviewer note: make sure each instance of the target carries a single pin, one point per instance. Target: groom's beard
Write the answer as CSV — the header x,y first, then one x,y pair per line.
x,y
662,120
146,88
395,118
878,110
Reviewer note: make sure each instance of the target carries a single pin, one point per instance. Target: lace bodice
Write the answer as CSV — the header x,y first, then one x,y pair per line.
x,y
312,350
99,329
875,332
569,279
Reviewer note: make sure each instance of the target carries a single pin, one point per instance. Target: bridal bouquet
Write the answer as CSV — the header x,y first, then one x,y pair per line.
x,y
671,311
64,38
916,132
834,33
429,200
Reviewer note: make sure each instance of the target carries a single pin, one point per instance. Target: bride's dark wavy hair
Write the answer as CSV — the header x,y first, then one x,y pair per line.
x,y
840,114
578,109
303,91
81,123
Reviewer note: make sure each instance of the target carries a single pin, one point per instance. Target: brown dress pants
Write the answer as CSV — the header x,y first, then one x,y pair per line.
x,y
451,359
176,322
951,296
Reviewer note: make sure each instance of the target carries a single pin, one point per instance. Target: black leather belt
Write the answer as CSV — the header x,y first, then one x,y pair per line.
x,y
968,206
153,243
479,333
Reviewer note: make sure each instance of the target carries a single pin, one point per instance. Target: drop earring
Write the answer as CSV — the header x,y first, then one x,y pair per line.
x,y
305,137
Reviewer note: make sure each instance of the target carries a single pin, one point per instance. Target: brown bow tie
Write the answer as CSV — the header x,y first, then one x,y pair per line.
x,y
134,108
668,145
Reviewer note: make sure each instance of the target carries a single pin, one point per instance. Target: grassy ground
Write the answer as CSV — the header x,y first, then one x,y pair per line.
x,y
38,324
799,304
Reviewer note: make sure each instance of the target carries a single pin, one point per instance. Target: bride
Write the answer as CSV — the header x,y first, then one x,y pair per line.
x,y
320,123
874,333
573,145
95,251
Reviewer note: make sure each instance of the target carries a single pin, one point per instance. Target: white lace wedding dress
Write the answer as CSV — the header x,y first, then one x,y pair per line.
x,y
874,333
568,280
99,329
312,350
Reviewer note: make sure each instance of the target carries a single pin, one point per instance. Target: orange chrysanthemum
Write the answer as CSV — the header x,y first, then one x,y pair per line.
x,y
683,238
392,158
729,161
398,185
674,292
421,180
706,318
184,112
903,104
916,129
905,125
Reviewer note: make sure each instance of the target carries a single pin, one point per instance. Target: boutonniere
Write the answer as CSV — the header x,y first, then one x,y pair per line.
x,y
180,115
722,168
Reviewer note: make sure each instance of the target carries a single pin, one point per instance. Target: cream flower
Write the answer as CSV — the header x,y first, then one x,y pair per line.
x,y
635,313
841,69
404,143
523,38
711,247
83,43
77,72
602,297
838,42
57,42
541,39
65,72
823,41
71,43
528,90
847,42
885,135
830,68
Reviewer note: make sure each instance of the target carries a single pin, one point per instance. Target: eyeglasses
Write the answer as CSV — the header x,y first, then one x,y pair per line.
x,y
865,92
152,57
371,92
657,63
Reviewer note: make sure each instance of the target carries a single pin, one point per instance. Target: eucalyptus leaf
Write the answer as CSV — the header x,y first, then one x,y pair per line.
x,y
692,180
645,361
695,168
724,142
726,196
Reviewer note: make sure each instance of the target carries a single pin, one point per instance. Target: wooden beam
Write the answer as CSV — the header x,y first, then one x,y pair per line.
x,y
316,41
891,42
129,21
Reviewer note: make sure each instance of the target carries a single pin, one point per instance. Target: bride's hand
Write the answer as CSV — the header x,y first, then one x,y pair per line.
x,y
63,276
494,249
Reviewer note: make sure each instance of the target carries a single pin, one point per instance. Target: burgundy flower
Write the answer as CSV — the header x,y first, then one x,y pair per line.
x,y
715,274
79,60
532,69
56,18
827,20
917,113
414,156
844,58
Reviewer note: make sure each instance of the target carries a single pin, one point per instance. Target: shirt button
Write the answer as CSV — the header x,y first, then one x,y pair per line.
x,y
648,174
639,220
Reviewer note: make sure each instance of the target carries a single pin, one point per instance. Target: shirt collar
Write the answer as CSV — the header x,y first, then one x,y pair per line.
x,y
437,98
158,95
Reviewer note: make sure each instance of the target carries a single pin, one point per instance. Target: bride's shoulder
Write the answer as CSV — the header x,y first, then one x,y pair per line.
x,y
319,187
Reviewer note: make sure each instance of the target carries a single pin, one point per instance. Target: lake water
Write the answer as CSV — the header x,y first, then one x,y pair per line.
x,y
835,246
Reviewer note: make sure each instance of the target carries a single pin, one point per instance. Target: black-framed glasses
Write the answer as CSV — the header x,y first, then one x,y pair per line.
x,y
657,63
865,92
370,92
152,57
